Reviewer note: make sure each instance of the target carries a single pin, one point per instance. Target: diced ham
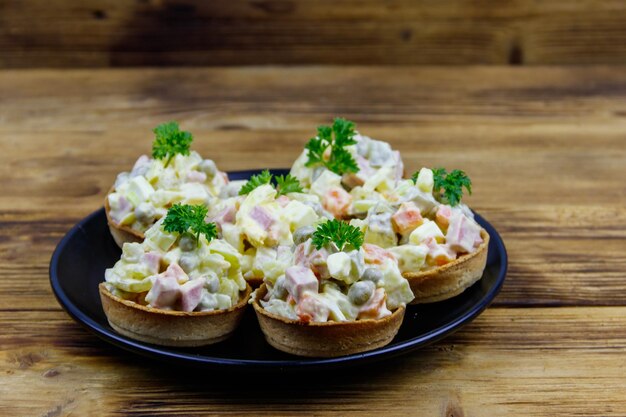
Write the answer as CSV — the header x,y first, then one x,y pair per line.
x,y
337,201
352,179
407,218
375,307
176,272
444,212
196,176
439,254
283,200
152,260
314,259
399,165
191,294
310,308
227,215
164,292
262,217
374,254
298,280
462,234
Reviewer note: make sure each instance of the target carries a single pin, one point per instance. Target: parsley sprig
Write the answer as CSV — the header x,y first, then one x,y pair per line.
x,y
182,218
284,183
342,234
337,137
170,141
448,187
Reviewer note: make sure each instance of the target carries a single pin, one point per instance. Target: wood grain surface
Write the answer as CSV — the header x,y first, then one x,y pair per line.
x,y
104,33
545,148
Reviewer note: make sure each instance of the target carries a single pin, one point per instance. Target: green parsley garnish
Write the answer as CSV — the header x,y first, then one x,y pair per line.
x,y
170,140
448,187
256,181
337,137
340,233
284,183
182,218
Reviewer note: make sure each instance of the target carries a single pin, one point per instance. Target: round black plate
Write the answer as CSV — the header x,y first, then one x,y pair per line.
x,y
78,265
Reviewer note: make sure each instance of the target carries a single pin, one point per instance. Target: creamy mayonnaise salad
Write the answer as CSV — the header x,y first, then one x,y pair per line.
x,y
170,271
263,234
380,168
418,230
142,196
262,226
326,284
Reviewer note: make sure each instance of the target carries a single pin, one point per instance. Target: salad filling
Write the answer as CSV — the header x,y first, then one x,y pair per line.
x,y
331,276
420,231
177,269
142,196
349,172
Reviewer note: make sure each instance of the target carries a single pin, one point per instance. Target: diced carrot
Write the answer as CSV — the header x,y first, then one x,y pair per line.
x,y
372,308
407,218
374,254
337,201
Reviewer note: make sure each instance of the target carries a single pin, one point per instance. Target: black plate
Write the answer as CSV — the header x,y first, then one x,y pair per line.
x,y
78,265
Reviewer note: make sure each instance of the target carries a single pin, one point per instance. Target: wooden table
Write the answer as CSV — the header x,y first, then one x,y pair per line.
x,y
545,148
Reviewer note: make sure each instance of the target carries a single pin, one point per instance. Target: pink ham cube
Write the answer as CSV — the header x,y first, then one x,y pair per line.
x,y
262,217
283,200
439,254
191,294
306,255
152,260
399,171
462,234
352,179
176,272
227,215
298,280
444,212
164,292
310,308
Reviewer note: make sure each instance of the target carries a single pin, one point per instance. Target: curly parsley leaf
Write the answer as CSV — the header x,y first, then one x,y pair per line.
x,y
183,218
342,234
170,141
256,181
286,184
448,187
335,138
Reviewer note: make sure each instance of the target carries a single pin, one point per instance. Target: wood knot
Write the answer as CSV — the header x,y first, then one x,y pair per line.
x,y
51,373
275,7
26,360
453,409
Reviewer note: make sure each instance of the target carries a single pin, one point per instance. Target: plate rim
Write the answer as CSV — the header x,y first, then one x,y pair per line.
x,y
165,353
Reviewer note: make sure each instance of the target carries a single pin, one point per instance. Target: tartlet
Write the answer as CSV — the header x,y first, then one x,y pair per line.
x,y
121,234
326,339
171,328
451,279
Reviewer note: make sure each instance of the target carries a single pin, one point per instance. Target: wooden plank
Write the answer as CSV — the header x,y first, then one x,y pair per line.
x,y
274,98
95,33
514,362
555,136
